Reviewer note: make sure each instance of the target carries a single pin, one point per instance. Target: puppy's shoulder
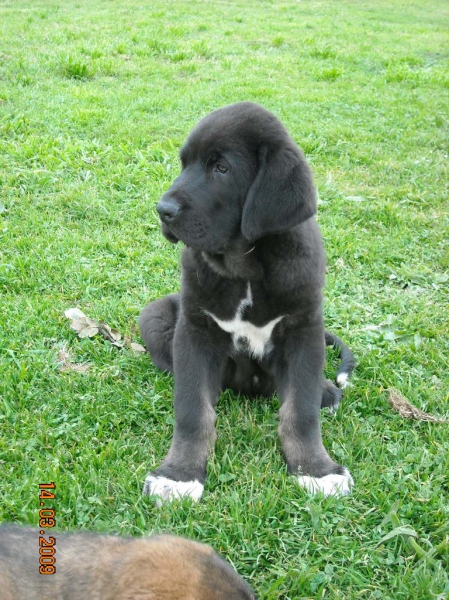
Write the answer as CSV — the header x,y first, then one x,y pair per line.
x,y
298,250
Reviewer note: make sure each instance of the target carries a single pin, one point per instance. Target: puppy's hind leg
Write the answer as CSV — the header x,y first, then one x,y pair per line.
x,y
157,327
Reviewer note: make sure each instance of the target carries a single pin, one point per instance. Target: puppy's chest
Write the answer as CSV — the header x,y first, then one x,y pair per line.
x,y
253,339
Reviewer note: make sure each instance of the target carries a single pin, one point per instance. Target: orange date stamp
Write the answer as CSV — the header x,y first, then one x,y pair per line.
x,y
47,519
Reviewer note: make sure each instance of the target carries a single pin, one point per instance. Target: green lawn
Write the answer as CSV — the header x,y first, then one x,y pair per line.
x,y
95,100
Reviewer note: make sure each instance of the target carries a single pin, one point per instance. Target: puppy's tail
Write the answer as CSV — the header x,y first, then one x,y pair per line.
x,y
347,363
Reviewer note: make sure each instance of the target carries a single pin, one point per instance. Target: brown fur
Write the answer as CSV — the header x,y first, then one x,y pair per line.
x,y
106,567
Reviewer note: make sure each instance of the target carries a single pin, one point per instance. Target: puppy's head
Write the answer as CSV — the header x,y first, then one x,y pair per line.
x,y
166,567
242,177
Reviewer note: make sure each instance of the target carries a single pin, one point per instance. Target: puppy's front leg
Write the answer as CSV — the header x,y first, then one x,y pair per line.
x,y
198,368
299,383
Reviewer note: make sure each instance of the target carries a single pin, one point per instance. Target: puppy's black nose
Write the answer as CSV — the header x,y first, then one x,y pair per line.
x,y
167,209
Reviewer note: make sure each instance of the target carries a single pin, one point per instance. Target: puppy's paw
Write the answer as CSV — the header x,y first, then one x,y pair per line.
x,y
168,489
329,485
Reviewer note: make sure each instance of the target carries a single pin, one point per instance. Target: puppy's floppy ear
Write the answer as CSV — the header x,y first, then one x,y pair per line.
x,y
282,194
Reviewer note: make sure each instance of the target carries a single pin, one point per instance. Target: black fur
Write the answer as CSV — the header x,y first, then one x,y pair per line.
x,y
243,205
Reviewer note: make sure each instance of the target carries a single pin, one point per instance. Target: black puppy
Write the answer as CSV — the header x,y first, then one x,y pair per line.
x,y
249,315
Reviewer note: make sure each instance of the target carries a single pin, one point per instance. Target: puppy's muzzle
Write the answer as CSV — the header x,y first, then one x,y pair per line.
x,y
168,209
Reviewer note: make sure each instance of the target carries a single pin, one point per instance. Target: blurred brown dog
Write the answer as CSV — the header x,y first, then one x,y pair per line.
x,y
106,567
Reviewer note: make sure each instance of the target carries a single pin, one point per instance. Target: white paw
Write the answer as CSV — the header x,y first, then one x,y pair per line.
x,y
169,490
329,485
342,380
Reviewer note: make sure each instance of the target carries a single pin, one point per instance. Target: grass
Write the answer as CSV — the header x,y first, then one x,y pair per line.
x,y
95,100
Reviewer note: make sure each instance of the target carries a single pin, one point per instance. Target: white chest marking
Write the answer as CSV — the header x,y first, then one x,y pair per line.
x,y
257,338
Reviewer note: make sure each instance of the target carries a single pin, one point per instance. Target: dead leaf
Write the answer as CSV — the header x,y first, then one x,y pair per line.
x,y
136,348
74,313
63,355
112,335
86,327
88,332
67,365
78,368
407,410
128,343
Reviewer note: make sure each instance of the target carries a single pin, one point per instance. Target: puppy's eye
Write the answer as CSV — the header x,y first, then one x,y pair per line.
x,y
221,168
